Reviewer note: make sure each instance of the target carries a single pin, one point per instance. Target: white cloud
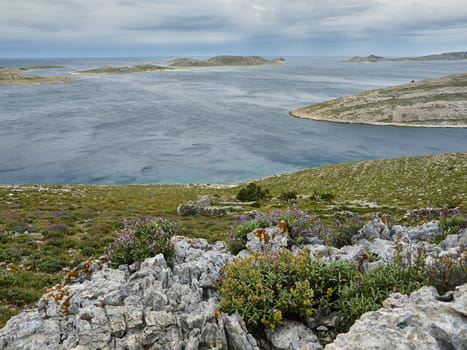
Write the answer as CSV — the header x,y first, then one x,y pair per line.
x,y
226,21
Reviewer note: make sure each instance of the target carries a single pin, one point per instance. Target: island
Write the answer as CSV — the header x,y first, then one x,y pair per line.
x,y
140,68
14,76
219,61
436,102
447,56
185,63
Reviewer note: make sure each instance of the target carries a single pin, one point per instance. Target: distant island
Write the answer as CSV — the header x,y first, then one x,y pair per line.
x,y
183,63
14,76
447,56
218,61
436,102
140,68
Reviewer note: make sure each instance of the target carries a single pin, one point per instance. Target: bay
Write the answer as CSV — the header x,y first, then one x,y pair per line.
x,y
218,125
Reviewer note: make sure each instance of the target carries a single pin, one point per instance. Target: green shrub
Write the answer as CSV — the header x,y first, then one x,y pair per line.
x,y
328,197
252,192
24,287
50,266
288,196
266,288
453,224
367,291
448,272
141,239
9,256
342,231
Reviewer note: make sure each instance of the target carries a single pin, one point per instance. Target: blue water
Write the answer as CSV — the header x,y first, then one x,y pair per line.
x,y
217,125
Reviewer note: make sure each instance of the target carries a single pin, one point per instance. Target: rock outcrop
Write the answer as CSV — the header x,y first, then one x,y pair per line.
x,y
204,207
156,304
418,321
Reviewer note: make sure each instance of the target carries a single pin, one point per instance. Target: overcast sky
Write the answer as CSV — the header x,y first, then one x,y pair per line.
x,y
208,27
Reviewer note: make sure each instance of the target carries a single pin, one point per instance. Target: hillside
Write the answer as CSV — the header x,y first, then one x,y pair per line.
x,y
47,228
223,61
447,56
436,102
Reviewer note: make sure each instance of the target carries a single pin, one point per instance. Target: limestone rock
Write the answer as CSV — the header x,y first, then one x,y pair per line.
x,y
155,304
375,228
271,238
418,321
293,336
237,335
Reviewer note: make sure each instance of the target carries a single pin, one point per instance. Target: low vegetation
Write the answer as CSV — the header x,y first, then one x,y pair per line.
x,y
223,61
141,68
45,229
436,102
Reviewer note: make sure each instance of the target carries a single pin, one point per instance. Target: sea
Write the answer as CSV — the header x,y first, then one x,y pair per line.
x,y
220,125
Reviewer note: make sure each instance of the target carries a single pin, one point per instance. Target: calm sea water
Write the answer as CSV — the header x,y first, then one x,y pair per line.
x,y
217,125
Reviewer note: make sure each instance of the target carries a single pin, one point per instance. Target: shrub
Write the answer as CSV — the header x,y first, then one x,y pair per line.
x,y
252,192
447,272
266,288
367,291
288,196
50,266
453,224
301,226
9,256
58,230
141,239
342,231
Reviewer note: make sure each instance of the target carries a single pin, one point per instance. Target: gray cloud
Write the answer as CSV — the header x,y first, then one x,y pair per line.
x,y
229,22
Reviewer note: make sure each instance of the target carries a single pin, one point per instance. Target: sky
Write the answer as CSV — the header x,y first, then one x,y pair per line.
x,y
153,28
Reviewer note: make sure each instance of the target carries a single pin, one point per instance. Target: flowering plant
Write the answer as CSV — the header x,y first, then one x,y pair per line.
x,y
301,226
141,239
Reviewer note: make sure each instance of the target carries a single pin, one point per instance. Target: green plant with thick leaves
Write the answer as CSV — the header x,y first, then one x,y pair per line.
x,y
265,288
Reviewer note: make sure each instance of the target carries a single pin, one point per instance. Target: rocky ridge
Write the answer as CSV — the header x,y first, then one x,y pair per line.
x,y
158,304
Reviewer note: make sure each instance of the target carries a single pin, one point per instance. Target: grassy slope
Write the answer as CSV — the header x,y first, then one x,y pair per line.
x,y
434,102
94,214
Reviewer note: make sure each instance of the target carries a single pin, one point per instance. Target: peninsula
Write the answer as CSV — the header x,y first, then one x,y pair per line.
x,y
436,102
219,61
447,56
14,76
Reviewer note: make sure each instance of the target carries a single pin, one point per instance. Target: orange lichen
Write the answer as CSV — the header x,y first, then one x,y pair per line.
x,y
70,276
61,297
283,226
217,314
421,223
262,235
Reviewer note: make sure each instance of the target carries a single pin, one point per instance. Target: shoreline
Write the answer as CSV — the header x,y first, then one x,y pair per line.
x,y
47,186
297,114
